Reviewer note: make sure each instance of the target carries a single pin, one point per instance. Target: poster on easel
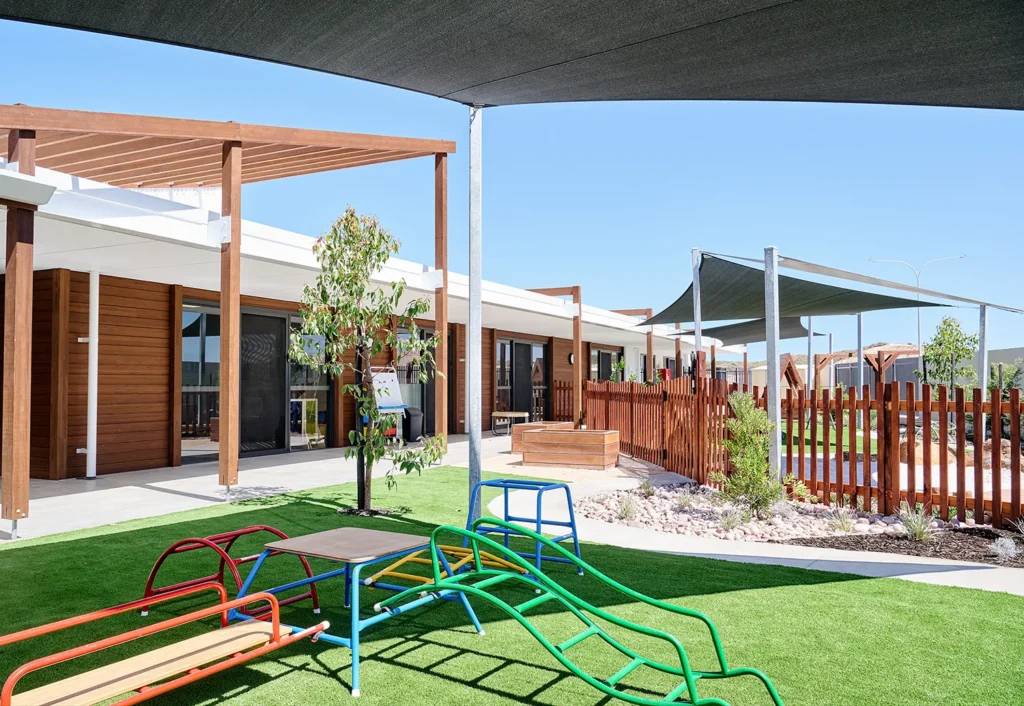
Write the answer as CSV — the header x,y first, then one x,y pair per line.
x,y
387,392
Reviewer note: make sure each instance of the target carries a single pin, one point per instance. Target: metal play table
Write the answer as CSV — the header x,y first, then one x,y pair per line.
x,y
355,548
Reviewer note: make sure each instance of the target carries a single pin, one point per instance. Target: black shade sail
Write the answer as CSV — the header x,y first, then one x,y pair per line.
x,y
730,291
502,52
753,331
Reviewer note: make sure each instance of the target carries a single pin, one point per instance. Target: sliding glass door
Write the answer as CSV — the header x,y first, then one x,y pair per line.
x,y
264,383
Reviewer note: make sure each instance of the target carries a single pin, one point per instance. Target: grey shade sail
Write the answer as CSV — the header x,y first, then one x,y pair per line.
x,y
753,331
497,52
730,291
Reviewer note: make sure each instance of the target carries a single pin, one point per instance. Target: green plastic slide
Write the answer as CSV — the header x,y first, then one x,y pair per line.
x,y
478,582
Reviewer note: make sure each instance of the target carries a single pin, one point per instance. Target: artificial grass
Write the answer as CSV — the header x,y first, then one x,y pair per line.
x,y
825,639
873,446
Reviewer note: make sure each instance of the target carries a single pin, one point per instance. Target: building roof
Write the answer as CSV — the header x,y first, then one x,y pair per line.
x,y
143,152
730,291
495,52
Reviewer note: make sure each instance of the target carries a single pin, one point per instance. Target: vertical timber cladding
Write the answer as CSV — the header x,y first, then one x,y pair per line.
x,y
488,371
133,413
45,330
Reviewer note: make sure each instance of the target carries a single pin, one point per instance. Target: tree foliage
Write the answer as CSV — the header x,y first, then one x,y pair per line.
x,y
347,321
947,356
752,482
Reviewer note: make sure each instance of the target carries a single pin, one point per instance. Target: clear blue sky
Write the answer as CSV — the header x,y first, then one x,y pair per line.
x,y
609,196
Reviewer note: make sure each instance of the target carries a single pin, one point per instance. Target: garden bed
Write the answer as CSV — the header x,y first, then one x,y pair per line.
x,y
962,544
700,511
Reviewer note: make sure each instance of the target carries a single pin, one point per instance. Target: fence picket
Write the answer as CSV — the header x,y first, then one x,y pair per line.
x,y
801,430
911,447
814,442
996,415
1015,470
961,455
866,445
926,444
978,453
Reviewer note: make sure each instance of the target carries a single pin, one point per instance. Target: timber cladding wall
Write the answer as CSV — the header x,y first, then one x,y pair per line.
x,y
134,374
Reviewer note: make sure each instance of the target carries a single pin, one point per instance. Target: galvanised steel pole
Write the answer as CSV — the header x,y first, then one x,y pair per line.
x,y
475,340
771,317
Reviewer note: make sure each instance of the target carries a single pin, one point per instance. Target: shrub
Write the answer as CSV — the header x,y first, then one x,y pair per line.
x,y
647,488
1004,549
627,508
730,517
841,519
1019,525
685,499
753,483
916,522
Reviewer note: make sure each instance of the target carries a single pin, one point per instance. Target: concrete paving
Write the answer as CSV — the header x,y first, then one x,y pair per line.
x,y
871,564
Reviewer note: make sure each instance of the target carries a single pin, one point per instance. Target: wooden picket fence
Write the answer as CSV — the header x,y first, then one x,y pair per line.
x,y
561,402
681,425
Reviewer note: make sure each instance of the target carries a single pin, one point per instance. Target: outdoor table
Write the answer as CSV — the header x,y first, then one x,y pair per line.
x,y
355,548
509,418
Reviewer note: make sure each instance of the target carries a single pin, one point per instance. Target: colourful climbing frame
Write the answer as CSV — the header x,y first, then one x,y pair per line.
x,y
480,580
538,521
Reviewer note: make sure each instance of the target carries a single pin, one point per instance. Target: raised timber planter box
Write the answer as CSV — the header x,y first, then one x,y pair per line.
x,y
519,429
571,448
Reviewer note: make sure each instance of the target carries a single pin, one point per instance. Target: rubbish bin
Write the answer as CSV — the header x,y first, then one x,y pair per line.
x,y
412,424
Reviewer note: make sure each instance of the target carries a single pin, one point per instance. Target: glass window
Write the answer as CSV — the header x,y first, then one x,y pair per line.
x,y
408,368
200,380
308,406
503,362
595,369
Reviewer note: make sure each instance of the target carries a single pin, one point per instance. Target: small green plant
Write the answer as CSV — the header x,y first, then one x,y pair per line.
x,y
617,368
797,488
916,523
730,517
753,483
647,488
627,508
685,499
841,519
1004,549
1019,525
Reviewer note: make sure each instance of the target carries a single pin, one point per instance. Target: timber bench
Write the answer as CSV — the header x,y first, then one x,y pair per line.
x,y
571,448
519,429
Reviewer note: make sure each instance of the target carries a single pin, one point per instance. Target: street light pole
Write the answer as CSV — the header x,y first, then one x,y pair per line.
x,y
917,275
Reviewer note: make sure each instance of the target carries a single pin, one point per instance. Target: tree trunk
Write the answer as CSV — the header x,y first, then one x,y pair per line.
x,y
366,482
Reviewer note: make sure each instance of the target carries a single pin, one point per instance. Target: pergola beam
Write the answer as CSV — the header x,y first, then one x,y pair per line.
x,y
441,294
17,383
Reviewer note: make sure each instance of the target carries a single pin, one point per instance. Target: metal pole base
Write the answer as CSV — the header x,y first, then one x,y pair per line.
x,y
14,530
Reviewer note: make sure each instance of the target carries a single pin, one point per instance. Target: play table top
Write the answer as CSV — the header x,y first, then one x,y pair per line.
x,y
351,545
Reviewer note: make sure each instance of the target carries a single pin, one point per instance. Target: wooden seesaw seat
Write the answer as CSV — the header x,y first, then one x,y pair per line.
x,y
159,670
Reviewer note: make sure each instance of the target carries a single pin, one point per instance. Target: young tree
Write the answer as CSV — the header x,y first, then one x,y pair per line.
x,y
347,320
948,354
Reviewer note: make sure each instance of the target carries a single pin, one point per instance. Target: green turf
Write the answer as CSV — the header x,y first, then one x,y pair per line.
x,y
825,639
831,441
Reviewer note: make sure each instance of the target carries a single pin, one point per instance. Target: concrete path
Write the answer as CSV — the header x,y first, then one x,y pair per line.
x,y
75,504
873,564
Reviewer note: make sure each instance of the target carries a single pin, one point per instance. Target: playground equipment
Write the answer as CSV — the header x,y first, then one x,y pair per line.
x,y
538,521
146,673
480,582
221,545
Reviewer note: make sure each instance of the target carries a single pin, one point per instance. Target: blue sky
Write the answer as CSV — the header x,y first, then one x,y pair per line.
x,y
610,196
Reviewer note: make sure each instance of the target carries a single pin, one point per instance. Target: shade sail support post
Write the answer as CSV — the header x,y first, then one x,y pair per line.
x,y
860,359
230,316
475,337
810,353
771,317
695,261
982,370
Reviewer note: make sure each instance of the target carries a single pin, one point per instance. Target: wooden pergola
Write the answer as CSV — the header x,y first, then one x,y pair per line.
x,y
646,313
138,152
576,292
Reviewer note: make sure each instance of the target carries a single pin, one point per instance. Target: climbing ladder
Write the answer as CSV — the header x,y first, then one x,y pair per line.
x,y
480,581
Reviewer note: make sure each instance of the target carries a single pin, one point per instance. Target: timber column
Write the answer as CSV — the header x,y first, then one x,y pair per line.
x,y
230,314
441,295
17,396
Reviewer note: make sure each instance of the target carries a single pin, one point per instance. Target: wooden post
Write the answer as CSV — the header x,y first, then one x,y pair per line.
x,y
746,370
59,356
174,454
230,313
441,294
650,356
577,355
714,363
17,395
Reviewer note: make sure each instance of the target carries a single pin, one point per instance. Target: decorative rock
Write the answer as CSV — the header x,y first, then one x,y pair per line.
x,y
862,528
970,522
